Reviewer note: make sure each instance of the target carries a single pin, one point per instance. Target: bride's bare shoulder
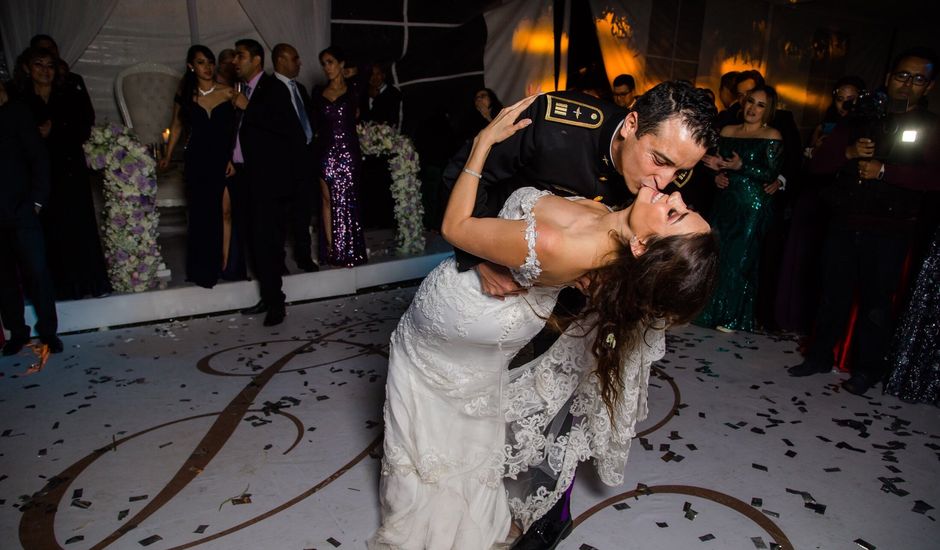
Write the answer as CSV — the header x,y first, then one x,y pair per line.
x,y
566,245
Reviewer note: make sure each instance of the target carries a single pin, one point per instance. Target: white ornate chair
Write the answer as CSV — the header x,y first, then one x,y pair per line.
x,y
145,93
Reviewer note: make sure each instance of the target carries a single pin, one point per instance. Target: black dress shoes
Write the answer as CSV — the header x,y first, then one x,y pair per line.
x,y
857,384
544,534
808,368
54,342
307,265
256,309
15,344
275,316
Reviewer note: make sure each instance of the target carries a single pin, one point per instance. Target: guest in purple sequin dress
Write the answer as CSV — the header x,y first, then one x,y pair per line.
x,y
339,159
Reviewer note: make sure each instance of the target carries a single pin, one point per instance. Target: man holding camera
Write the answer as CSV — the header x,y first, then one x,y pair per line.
x,y
887,157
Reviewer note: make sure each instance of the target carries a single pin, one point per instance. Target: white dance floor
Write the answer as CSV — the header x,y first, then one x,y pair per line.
x,y
218,433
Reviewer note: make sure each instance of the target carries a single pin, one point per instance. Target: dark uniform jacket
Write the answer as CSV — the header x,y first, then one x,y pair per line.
x,y
565,150
24,164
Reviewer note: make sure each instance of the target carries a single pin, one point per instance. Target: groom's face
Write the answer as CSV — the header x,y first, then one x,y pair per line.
x,y
654,159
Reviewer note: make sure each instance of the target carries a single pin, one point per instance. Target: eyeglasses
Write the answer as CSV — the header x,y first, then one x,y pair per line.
x,y
904,77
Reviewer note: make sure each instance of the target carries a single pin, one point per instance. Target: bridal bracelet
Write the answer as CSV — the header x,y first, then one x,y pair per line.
x,y
472,173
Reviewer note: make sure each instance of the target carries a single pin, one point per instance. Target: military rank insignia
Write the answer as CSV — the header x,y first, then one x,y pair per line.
x,y
682,177
573,113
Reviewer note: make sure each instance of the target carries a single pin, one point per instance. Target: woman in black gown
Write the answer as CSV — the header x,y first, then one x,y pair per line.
x,y
916,354
203,107
64,116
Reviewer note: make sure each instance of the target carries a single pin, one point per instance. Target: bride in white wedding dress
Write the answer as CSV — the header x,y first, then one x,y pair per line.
x,y
463,435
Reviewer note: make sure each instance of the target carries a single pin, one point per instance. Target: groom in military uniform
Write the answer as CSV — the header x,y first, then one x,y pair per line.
x,y
584,146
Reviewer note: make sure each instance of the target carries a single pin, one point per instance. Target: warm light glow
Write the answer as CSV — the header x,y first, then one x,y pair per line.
x,y
909,136
166,135
741,63
619,58
537,37
790,94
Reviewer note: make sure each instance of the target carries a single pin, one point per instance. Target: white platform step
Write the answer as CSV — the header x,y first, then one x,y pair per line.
x,y
156,305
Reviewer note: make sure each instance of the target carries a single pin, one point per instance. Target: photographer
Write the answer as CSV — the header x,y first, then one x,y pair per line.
x,y
885,156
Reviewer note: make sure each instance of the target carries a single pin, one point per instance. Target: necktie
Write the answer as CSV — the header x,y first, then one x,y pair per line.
x,y
301,113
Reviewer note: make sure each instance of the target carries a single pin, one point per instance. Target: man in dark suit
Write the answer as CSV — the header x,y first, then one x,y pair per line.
x,y
383,100
286,68
273,150
24,164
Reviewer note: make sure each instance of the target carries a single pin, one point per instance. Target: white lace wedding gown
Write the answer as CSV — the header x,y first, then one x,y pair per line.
x,y
469,445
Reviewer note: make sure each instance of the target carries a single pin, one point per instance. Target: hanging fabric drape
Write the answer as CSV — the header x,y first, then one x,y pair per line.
x,y
622,32
520,49
304,24
72,24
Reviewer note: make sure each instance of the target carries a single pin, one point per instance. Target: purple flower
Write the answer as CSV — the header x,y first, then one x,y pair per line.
x,y
121,256
137,215
119,221
137,230
120,154
142,268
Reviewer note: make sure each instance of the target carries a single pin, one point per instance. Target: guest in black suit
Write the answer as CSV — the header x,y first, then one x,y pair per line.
x,y
273,151
24,164
383,100
380,104
286,68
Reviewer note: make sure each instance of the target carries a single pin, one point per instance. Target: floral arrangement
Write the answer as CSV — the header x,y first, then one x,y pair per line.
x,y
382,139
130,215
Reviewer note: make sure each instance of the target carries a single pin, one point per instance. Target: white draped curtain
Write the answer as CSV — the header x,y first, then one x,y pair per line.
x,y
72,24
519,57
304,24
623,34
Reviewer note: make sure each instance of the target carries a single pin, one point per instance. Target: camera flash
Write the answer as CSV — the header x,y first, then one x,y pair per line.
x,y
909,136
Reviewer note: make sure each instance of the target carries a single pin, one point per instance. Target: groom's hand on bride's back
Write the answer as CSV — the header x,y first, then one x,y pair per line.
x,y
496,281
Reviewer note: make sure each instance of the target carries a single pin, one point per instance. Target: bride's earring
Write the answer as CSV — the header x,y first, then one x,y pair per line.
x,y
637,246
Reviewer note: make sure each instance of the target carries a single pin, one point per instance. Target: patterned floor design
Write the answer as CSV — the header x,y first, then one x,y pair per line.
x,y
219,433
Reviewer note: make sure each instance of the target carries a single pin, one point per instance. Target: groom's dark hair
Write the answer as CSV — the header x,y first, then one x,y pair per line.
x,y
694,106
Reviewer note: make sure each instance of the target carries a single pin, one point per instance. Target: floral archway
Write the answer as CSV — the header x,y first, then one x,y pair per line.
x,y
130,215
381,139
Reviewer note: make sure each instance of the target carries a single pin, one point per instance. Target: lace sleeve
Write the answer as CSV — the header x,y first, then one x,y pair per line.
x,y
522,202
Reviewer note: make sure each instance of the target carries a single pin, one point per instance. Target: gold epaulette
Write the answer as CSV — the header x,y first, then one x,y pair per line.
x,y
573,113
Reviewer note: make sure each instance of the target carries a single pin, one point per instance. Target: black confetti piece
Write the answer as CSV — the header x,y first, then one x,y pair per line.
x,y
760,467
863,544
331,540
76,538
757,502
709,536
758,542
586,546
150,540
662,524
621,506
123,514
921,507
201,529
138,497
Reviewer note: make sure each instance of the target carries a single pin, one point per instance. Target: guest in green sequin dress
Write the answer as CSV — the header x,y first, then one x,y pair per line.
x,y
748,161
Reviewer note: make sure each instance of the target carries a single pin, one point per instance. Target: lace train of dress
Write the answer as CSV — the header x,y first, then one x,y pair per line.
x,y
451,405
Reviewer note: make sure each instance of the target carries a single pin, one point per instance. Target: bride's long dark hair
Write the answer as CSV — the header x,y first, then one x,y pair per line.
x,y
669,284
